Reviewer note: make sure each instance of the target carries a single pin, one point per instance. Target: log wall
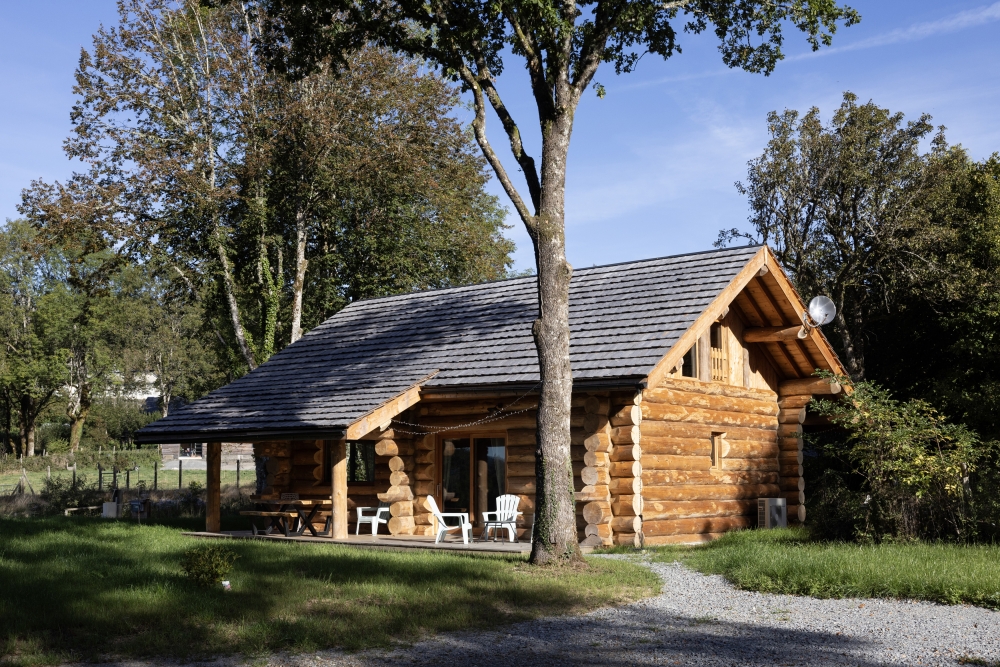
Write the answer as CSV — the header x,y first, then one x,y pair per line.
x,y
687,496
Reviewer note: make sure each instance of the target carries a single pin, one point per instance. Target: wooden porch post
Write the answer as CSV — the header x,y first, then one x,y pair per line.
x,y
213,460
705,356
339,490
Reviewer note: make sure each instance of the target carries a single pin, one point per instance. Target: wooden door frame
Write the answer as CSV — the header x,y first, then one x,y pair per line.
x,y
471,434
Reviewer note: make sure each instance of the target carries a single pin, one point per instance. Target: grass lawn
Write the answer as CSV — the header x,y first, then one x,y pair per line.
x,y
85,589
787,561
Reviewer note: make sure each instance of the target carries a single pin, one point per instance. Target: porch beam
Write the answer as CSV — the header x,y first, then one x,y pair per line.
x,y
338,492
213,474
771,334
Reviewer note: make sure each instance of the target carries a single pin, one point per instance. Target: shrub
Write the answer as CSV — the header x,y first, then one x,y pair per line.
x,y
60,493
207,566
918,476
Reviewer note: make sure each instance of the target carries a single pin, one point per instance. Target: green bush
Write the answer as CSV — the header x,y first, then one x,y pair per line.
x,y
60,493
207,566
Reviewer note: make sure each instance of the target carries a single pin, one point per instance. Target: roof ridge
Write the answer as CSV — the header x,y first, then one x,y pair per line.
x,y
438,290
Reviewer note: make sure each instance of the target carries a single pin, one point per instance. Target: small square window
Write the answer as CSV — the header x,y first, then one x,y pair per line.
x,y
718,450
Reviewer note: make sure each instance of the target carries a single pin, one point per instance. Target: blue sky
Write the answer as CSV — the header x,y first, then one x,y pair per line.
x,y
652,165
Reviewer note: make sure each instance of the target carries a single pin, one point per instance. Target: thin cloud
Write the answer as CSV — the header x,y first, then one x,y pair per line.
x,y
969,18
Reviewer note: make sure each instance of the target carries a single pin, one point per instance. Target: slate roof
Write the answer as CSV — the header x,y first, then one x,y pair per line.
x,y
624,318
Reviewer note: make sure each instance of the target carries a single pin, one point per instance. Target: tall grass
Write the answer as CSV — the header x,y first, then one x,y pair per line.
x,y
787,561
87,589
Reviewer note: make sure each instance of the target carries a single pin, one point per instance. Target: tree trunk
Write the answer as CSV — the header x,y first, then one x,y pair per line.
x,y
853,358
300,275
77,415
27,427
555,535
6,423
234,309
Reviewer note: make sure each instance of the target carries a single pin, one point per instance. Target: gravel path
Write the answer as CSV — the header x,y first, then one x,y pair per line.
x,y
702,620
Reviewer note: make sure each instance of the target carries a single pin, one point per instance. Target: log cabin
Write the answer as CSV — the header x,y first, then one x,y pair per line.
x,y
691,376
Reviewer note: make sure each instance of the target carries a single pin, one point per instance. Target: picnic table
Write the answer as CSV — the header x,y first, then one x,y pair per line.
x,y
292,517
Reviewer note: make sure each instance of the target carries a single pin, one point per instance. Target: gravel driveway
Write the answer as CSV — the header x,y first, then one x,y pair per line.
x,y
702,620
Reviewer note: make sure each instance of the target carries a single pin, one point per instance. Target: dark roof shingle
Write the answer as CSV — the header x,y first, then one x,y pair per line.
x,y
624,318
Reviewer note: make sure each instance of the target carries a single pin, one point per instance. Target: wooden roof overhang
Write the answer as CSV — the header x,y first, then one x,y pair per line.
x,y
765,297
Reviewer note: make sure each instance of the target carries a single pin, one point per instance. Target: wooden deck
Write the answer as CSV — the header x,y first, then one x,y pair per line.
x,y
395,543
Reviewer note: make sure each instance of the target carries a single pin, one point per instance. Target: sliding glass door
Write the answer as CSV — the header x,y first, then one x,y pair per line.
x,y
473,474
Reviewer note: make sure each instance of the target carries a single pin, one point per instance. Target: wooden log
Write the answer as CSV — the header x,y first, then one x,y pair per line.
x,y
627,505
812,386
791,497
759,465
598,511
526,504
792,416
396,494
655,478
792,484
790,443
625,435
278,466
656,429
423,519
424,488
628,539
718,524
626,453
397,463
598,442
795,470
625,486
520,469
598,459
676,446
692,399
689,540
307,456
401,525
630,415
749,449
282,448
590,493
594,476
713,388
401,508
626,524
682,413
577,452
596,405
399,478
625,469
521,437
393,448
771,334
592,423
665,462
519,485
523,420
521,455
711,492
424,472
691,509
801,513
425,456
789,430
792,402
598,530
786,457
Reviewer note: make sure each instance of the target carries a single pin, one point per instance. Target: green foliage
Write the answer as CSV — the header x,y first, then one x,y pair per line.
x,y
914,468
60,492
208,565
79,589
788,561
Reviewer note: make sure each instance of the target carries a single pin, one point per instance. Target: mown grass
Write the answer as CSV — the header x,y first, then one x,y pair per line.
x,y
87,589
787,561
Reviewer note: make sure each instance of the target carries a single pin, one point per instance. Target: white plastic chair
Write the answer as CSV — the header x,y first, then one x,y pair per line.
x,y
463,522
374,519
505,517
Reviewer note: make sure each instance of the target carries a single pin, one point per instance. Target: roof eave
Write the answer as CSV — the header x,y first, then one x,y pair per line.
x,y
239,435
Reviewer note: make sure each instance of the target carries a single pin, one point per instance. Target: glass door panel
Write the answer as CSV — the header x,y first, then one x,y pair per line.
x,y
455,467
490,475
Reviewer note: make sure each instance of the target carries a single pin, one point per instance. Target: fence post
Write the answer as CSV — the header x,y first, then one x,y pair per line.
x,y
237,474
114,477
156,469
180,473
100,477
74,476
128,478
48,472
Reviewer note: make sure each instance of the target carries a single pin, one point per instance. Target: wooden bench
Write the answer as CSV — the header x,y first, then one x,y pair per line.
x,y
280,520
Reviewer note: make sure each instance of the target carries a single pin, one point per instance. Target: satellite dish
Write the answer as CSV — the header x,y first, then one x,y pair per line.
x,y
821,310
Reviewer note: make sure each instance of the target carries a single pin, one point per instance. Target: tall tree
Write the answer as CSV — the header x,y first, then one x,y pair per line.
x,y
562,45
838,203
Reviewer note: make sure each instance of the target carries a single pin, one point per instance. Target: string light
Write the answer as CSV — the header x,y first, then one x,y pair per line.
x,y
496,416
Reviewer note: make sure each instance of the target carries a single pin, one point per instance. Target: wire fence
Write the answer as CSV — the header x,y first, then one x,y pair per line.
x,y
149,477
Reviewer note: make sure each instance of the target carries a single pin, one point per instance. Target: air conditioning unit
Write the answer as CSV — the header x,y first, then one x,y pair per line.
x,y
772,513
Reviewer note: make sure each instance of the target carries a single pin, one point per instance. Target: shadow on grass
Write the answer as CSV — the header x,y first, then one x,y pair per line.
x,y
90,589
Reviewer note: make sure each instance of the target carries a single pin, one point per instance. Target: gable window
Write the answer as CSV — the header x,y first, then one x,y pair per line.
x,y
689,365
720,361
